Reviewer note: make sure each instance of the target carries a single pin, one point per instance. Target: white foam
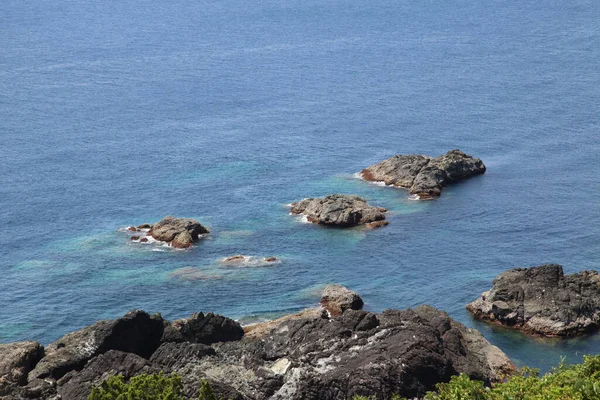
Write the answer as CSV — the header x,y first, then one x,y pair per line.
x,y
414,197
303,219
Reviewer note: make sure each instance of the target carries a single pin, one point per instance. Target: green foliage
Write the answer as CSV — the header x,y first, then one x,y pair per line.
x,y
142,387
147,387
574,382
206,392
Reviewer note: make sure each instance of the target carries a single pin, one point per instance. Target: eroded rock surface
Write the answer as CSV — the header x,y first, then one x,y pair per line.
x,y
338,210
313,357
542,300
424,176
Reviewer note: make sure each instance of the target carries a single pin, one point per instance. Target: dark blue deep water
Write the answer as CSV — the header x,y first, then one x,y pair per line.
x,y
115,113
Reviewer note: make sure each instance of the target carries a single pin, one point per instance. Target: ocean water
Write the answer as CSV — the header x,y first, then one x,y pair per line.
x,y
118,113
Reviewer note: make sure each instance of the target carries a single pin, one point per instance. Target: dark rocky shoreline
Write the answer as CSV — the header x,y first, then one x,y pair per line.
x,y
542,301
322,353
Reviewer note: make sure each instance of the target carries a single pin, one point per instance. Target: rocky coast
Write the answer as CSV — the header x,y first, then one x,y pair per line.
x,y
324,353
542,301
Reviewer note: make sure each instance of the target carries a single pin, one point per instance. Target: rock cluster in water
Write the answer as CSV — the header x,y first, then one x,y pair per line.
x,y
340,210
424,176
543,301
179,233
311,355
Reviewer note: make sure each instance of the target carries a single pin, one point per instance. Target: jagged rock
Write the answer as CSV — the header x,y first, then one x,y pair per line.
x,y
404,352
271,259
542,300
136,332
307,356
208,328
336,299
78,385
338,210
424,176
179,232
170,356
16,360
144,226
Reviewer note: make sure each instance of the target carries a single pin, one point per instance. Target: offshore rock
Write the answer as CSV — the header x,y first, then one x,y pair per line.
x,y
179,232
424,176
337,298
338,210
136,332
16,360
543,301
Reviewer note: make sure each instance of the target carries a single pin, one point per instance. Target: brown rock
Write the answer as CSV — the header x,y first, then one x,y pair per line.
x,y
337,298
377,224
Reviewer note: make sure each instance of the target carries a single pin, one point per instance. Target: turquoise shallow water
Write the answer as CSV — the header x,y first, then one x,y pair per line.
x,y
113,114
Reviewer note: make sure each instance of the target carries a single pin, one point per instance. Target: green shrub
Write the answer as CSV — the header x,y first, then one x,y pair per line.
x,y
147,387
142,387
574,382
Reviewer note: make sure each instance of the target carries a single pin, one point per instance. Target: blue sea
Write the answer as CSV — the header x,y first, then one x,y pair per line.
x,y
116,113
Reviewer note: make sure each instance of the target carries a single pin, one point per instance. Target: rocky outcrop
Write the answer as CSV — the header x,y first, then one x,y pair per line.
x,y
208,328
315,357
311,355
76,385
137,332
543,301
16,360
337,298
424,176
338,210
178,232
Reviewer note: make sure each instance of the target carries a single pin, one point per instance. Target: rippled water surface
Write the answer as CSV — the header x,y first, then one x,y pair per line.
x,y
116,113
